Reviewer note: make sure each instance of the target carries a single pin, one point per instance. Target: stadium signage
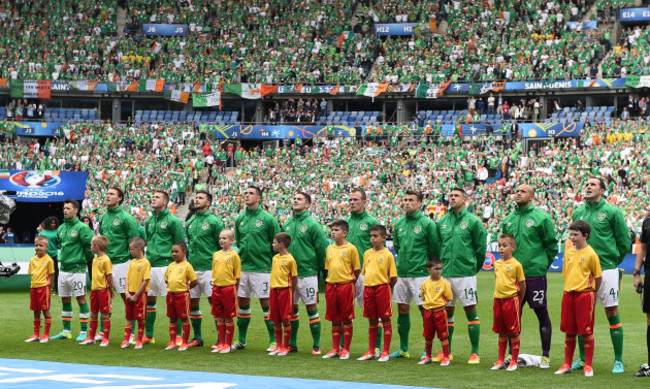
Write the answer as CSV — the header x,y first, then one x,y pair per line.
x,y
634,14
552,130
45,186
549,85
164,29
60,86
279,132
38,128
395,29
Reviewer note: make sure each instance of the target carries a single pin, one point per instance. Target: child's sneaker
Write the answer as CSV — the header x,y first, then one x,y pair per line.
x,y
564,369
272,346
99,337
179,340
445,362
275,351
367,356
345,354
384,357
170,346
132,339
105,342
440,356
33,338
217,346
183,347
331,354
589,371
283,352
138,345
513,366
87,341
499,365
125,344
225,350
425,361
45,339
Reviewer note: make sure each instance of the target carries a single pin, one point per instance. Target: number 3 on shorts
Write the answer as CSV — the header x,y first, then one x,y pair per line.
x,y
266,286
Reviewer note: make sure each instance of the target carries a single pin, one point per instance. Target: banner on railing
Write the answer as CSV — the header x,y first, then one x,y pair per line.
x,y
38,128
164,29
634,14
281,132
384,29
552,130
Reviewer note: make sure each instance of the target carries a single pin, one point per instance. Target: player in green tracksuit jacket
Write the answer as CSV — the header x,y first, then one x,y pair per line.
x,y
74,238
203,230
610,239
359,223
463,243
119,228
415,238
254,232
535,248
308,247
163,230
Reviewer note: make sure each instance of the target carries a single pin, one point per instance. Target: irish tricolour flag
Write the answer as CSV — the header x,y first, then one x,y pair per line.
x,y
31,89
372,89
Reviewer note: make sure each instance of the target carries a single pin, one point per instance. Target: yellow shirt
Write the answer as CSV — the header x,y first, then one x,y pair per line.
x,y
178,276
40,269
507,274
435,294
226,268
580,270
341,262
283,268
139,270
101,268
378,267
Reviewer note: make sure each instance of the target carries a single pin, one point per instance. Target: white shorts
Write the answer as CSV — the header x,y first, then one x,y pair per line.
x,y
258,284
407,289
158,285
72,284
204,286
119,276
464,289
306,290
608,292
358,294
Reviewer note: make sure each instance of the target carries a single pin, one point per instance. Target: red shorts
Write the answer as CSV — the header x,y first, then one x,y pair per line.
x,y
100,301
281,305
137,310
339,300
40,298
507,315
578,312
435,322
377,303
178,305
224,301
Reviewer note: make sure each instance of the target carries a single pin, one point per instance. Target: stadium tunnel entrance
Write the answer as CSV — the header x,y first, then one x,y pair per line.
x,y
27,217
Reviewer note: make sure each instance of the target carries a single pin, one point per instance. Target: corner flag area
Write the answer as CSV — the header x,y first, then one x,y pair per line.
x,y
27,374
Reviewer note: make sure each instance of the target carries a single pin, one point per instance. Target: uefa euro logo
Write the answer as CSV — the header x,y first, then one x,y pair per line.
x,y
31,179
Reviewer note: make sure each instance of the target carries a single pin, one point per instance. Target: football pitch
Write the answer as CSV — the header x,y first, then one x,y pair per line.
x,y
16,325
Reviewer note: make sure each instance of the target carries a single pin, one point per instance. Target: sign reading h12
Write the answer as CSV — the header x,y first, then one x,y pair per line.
x,y
164,29
635,14
395,28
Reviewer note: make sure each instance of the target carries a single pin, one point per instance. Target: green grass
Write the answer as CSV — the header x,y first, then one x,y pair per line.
x,y
16,324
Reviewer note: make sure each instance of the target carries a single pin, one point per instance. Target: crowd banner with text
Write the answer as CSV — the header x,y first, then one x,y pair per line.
x,y
279,132
38,128
164,29
44,186
551,130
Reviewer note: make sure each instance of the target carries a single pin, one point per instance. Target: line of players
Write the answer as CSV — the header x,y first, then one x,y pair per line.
x,y
458,238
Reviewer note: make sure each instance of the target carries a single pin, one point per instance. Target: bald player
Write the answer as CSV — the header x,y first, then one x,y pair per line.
x,y
536,248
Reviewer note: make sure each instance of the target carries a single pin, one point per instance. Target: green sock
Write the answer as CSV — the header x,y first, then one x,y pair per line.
x,y
243,320
295,324
450,327
616,332
196,319
474,330
179,326
380,335
150,320
581,347
314,326
84,316
66,316
403,328
269,325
